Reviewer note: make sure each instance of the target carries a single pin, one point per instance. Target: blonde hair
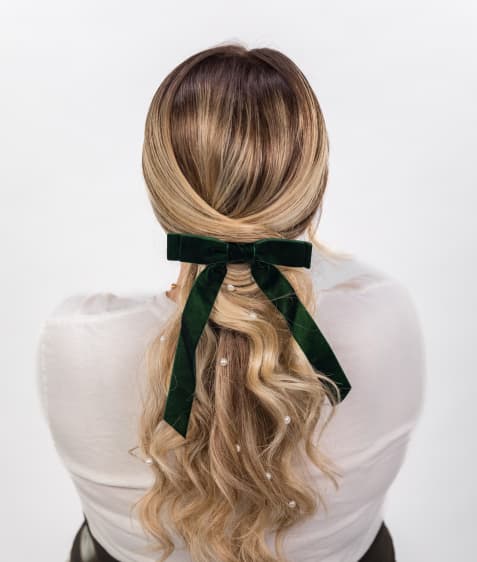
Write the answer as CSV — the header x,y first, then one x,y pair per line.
x,y
235,147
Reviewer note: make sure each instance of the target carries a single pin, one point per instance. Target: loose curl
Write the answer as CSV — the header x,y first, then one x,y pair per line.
x,y
235,147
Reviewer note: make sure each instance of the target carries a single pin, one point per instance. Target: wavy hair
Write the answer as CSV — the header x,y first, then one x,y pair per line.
x,y
235,147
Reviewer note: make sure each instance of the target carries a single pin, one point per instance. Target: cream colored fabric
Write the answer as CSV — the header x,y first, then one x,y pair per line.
x,y
91,366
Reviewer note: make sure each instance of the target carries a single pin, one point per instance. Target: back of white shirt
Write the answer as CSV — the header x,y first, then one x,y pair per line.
x,y
91,367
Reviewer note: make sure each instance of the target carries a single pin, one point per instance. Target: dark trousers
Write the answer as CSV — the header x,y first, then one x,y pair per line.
x,y
87,549
382,548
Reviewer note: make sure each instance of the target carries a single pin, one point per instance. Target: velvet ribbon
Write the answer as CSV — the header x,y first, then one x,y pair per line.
x,y
262,255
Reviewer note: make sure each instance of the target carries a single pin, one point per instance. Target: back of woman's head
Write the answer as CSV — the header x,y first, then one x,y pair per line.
x,y
236,148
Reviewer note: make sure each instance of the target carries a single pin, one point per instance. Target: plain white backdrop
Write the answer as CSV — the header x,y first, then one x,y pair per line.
x,y
397,83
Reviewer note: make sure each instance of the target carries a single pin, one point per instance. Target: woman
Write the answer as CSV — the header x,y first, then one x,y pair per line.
x,y
263,453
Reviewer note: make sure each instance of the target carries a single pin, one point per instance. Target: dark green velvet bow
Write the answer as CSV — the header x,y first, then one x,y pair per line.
x,y
261,255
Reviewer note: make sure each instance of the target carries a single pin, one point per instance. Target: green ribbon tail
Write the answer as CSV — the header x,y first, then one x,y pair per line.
x,y
194,318
302,326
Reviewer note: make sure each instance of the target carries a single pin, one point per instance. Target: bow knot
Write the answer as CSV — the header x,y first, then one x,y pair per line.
x,y
240,251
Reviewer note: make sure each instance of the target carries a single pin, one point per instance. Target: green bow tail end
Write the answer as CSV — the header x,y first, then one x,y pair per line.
x,y
262,255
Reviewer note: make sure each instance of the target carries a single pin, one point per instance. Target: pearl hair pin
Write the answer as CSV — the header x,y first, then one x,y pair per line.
x,y
253,315
230,287
287,419
162,338
147,460
223,361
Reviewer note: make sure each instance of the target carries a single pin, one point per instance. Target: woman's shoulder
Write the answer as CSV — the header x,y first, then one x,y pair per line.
x,y
85,333
106,305
356,293
350,283
331,270
372,321
364,309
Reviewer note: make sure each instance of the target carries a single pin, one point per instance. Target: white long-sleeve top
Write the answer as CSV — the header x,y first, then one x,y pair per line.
x,y
90,360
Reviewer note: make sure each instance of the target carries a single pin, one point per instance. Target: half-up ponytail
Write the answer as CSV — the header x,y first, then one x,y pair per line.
x,y
236,148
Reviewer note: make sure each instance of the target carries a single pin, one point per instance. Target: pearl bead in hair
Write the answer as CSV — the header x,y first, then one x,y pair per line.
x,y
268,475
292,503
237,446
287,419
148,460
253,315
223,361
163,337
230,287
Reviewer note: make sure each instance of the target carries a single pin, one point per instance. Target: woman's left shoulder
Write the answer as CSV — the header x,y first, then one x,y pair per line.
x,y
85,307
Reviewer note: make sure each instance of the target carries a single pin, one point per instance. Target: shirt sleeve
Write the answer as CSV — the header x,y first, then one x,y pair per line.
x,y
64,309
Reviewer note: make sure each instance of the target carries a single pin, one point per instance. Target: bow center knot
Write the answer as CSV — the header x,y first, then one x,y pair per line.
x,y
240,251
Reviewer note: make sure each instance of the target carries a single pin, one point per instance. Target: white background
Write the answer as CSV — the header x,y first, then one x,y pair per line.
x,y
398,86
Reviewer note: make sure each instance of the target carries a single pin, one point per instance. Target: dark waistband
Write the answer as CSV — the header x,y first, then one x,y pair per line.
x,y
87,549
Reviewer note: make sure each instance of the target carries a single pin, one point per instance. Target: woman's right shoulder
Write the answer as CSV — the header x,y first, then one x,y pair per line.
x,y
86,307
